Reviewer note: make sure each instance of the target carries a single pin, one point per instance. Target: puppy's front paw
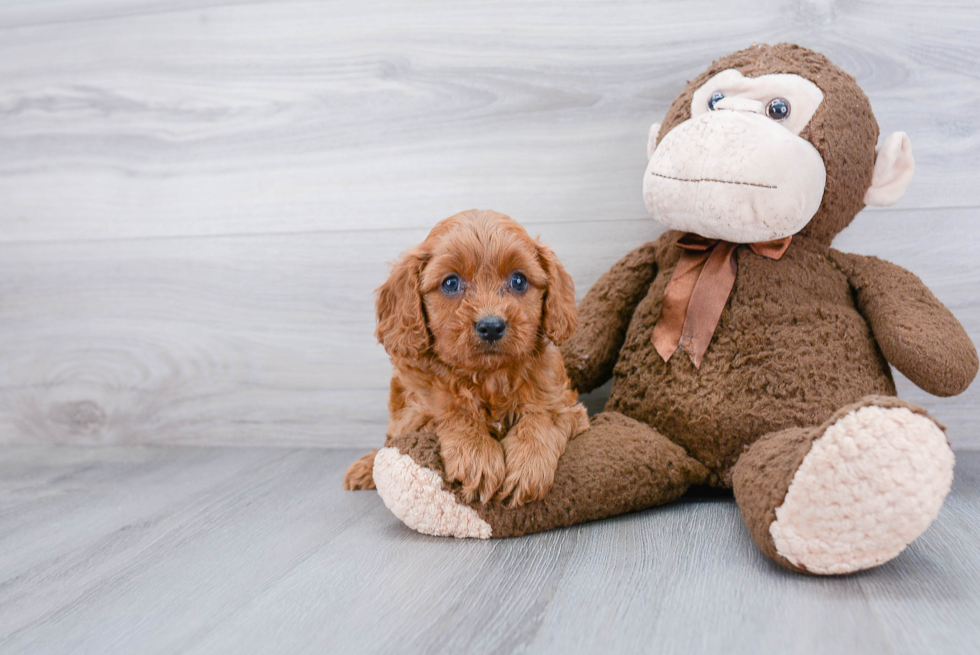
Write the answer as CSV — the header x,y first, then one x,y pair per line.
x,y
477,463
360,475
530,470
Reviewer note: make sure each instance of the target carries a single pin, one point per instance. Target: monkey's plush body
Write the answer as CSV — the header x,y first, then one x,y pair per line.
x,y
790,349
746,352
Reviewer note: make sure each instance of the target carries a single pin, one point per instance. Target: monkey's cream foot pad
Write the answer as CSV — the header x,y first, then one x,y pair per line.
x,y
419,498
869,486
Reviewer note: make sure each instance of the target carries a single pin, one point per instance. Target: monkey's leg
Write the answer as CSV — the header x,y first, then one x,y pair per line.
x,y
618,465
847,495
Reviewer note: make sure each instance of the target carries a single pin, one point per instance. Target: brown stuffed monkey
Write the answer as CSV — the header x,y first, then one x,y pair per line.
x,y
746,352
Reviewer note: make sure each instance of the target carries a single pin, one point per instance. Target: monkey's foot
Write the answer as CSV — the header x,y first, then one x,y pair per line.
x,y
419,498
871,483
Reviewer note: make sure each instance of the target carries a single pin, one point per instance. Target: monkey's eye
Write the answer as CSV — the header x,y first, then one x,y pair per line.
x,y
714,99
451,285
777,109
518,282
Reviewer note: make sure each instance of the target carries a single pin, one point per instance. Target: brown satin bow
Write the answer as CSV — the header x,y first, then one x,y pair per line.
x,y
698,292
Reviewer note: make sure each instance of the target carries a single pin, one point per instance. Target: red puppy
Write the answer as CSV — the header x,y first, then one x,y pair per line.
x,y
470,319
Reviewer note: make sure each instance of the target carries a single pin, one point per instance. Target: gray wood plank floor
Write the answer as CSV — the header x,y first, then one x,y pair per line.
x,y
231,550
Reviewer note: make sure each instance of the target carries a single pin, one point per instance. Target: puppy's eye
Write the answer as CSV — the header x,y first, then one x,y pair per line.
x,y
714,99
451,284
518,282
777,109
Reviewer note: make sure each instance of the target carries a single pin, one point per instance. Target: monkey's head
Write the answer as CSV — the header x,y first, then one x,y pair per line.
x,y
769,142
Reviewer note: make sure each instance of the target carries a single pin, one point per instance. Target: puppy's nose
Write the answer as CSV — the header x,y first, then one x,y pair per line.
x,y
491,329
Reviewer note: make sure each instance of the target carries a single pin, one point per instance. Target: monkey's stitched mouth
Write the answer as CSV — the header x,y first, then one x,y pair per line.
x,y
707,179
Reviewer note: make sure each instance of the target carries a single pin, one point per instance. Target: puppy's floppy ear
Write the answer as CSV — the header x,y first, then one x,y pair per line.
x,y
560,317
401,320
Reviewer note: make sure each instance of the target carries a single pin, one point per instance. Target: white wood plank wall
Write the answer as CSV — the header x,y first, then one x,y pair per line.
x,y
198,198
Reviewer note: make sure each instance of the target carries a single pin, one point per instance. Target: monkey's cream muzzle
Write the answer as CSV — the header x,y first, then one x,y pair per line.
x,y
736,175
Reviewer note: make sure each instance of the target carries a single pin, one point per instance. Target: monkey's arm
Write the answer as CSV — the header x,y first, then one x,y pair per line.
x,y
915,332
603,316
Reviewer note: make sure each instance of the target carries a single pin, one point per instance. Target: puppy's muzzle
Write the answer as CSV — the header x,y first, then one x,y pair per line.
x,y
491,328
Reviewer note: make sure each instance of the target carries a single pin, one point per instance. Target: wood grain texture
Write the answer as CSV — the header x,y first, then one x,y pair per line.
x,y
232,550
269,339
197,198
127,119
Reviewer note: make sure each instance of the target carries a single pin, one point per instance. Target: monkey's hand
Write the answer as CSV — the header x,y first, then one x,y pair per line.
x,y
604,315
915,332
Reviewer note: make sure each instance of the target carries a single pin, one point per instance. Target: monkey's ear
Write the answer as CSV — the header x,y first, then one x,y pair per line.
x,y
401,320
894,166
560,317
652,139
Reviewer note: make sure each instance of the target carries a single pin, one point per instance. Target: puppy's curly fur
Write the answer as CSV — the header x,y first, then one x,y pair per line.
x,y
502,408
